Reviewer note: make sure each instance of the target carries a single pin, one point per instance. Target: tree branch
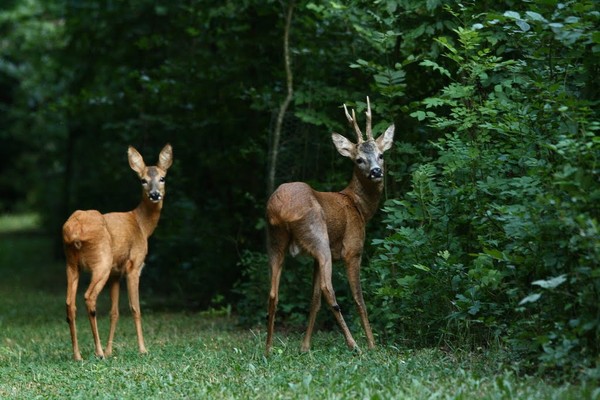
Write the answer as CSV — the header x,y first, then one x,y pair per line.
x,y
286,102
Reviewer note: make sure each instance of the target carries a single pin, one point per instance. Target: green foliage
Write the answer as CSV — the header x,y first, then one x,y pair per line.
x,y
253,288
497,240
30,39
97,77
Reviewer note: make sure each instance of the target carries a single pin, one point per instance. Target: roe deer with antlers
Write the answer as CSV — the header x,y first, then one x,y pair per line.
x,y
328,226
111,246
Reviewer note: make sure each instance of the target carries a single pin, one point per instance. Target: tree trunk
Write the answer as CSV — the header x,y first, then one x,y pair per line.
x,y
285,104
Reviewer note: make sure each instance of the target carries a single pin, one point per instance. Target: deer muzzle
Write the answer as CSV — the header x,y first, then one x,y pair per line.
x,y
155,196
376,173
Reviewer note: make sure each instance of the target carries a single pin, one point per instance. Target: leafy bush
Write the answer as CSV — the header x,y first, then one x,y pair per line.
x,y
497,240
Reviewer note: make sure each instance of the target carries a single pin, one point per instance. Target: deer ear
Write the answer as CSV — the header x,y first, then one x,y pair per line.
x,y
343,145
136,162
384,142
165,158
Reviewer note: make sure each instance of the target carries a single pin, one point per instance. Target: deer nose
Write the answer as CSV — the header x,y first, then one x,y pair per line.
x,y
376,173
154,196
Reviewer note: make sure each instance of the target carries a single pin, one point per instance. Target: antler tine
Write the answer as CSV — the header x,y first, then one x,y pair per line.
x,y
368,114
352,121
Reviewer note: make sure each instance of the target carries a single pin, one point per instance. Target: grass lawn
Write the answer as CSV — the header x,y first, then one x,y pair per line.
x,y
194,356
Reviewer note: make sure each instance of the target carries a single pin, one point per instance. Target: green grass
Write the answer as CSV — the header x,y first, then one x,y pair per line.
x,y
18,222
194,356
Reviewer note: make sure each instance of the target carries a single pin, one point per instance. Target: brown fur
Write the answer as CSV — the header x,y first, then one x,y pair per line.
x,y
328,226
111,246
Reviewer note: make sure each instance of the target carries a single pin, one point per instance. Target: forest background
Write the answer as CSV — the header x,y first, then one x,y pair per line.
x,y
488,234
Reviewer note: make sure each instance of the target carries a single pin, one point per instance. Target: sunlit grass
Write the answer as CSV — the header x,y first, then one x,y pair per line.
x,y
195,356
19,222
192,357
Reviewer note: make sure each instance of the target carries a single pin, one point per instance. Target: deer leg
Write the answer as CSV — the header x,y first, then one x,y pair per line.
x,y
99,277
316,242
315,306
72,282
278,241
353,272
114,283
325,267
133,284
276,262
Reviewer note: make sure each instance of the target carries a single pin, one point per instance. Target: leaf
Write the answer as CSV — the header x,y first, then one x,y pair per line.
x,y
436,67
444,42
552,282
496,254
532,298
421,267
433,4
444,254
420,115
457,91
474,309
512,14
535,16
433,102
523,25
571,20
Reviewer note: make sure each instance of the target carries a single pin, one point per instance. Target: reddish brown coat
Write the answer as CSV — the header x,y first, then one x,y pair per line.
x,y
111,246
328,226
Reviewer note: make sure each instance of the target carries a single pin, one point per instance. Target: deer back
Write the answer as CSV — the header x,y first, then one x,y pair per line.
x,y
299,208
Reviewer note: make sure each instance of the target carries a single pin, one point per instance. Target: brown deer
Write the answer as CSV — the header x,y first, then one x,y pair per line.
x,y
328,226
111,246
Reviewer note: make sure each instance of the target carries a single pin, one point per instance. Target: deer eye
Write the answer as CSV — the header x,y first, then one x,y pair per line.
x,y
162,179
381,156
144,182
360,161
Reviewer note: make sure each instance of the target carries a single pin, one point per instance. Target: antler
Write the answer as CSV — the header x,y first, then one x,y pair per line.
x,y
352,121
368,114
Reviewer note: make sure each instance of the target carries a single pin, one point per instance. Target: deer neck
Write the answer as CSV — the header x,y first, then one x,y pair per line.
x,y
365,194
147,215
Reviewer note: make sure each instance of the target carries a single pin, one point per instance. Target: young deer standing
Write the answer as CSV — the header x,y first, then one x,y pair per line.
x,y
328,226
112,245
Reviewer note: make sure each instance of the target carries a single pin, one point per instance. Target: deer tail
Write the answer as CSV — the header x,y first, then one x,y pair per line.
x,y
72,233
80,227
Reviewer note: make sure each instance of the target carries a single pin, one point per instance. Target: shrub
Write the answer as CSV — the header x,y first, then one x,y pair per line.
x,y
497,240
